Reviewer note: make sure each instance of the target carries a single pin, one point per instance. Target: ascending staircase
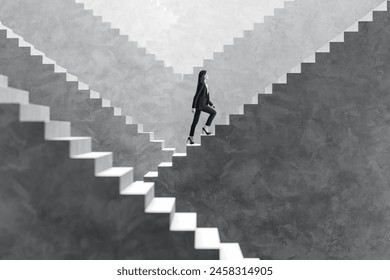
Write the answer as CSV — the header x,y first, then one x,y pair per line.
x,y
272,48
72,100
61,200
304,170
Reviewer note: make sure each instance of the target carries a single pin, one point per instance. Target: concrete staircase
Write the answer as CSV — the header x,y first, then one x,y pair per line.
x,y
71,100
93,46
61,200
274,47
305,170
162,102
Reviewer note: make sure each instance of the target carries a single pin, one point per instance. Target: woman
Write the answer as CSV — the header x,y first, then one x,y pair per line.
x,y
201,103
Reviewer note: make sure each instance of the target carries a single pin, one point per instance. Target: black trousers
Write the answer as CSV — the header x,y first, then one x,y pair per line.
x,y
206,109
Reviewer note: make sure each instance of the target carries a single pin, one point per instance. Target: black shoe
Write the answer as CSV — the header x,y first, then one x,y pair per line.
x,y
204,130
189,139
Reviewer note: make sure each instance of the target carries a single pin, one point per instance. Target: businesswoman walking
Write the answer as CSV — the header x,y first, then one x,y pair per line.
x,y
201,103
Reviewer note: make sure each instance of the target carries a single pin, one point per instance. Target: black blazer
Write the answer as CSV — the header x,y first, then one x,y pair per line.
x,y
201,98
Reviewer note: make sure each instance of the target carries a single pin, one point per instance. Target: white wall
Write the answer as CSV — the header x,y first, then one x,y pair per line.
x,y
183,32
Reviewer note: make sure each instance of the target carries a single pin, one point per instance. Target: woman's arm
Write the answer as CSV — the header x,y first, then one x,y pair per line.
x,y
196,97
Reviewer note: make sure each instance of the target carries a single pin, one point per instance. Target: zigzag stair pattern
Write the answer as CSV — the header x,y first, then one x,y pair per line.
x,y
235,120
80,149
93,96
277,12
110,25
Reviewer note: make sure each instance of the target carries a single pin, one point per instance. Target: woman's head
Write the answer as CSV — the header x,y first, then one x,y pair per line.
x,y
202,76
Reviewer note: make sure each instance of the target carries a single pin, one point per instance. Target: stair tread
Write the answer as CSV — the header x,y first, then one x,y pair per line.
x,y
230,251
151,174
11,95
184,222
207,238
165,164
92,155
193,145
161,205
180,154
137,188
169,149
114,172
70,138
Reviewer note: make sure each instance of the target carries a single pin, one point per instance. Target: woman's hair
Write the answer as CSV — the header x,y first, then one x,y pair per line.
x,y
201,76
200,80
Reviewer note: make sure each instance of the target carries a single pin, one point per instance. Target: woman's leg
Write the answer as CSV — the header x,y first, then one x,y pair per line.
x,y
212,113
195,122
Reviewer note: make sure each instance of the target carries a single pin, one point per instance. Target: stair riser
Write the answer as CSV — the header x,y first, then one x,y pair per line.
x,y
57,129
103,163
78,147
126,180
3,81
12,96
34,113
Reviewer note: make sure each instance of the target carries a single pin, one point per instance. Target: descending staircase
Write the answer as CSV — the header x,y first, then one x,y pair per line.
x,y
304,170
61,200
72,100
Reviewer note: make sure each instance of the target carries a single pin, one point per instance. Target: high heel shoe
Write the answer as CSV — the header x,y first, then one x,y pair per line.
x,y
205,131
189,139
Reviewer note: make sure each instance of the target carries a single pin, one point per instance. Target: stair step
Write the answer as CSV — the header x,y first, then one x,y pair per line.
x,y
55,129
161,142
183,222
180,154
170,150
161,205
3,81
126,175
59,69
78,145
30,112
165,164
115,172
230,251
71,78
140,188
207,238
193,145
151,174
103,160
11,95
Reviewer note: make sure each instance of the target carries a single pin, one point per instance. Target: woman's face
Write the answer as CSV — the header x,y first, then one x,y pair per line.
x,y
206,77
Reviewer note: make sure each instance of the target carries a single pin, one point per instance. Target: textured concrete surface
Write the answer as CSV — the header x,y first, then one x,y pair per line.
x,y
183,33
273,48
89,118
153,96
53,207
305,173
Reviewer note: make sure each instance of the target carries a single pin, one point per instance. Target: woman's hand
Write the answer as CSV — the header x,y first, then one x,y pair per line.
x,y
213,106
193,110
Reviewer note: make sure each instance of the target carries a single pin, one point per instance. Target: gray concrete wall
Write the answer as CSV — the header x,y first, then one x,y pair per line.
x,y
305,173
273,48
53,207
109,132
158,99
